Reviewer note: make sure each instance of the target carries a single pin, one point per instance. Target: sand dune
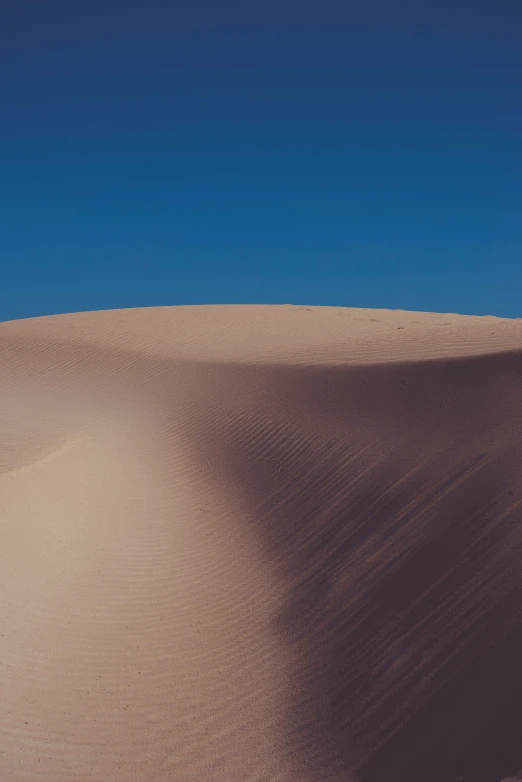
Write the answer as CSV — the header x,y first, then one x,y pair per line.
x,y
260,544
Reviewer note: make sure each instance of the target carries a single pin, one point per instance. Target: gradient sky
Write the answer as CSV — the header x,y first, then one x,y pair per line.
x,y
347,153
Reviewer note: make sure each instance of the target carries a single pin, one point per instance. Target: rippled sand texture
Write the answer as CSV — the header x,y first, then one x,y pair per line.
x,y
260,544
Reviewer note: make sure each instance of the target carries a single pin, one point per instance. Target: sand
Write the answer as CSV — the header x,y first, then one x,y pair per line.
x,y
260,544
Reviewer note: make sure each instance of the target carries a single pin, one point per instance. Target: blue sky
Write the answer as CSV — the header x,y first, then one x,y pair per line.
x,y
346,153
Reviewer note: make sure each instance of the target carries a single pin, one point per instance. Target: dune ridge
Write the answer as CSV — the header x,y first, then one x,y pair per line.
x,y
261,544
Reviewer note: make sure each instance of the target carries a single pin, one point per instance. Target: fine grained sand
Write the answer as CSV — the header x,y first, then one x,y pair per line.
x,y
260,544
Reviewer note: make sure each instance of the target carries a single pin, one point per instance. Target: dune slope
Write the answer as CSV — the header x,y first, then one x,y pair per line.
x,y
260,544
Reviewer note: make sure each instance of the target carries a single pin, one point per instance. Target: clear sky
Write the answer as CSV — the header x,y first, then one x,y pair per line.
x,y
353,153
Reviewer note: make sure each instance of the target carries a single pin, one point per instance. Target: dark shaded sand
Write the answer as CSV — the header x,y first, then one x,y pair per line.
x,y
260,544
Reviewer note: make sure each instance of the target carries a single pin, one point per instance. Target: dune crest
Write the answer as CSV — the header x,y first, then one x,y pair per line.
x,y
261,544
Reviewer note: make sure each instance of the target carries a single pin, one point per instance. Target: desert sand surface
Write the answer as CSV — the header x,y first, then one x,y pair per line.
x,y
260,544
